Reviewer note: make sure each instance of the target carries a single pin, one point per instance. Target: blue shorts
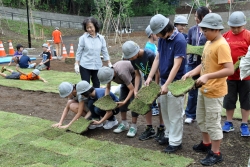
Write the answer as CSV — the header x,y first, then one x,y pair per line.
x,y
13,75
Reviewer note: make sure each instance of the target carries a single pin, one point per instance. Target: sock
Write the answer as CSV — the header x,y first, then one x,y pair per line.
x,y
134,125
149,126
207,144
218,153
161,126
125,122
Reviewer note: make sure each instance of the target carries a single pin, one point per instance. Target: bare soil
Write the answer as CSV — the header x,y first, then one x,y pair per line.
x,y
235,149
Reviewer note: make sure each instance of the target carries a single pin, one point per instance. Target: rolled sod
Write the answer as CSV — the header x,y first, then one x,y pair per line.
x,y
80,125
181,87
148,94
106,103
139,107
197,50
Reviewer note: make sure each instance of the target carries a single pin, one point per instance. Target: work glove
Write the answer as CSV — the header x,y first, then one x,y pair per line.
x,y
110,64
77,68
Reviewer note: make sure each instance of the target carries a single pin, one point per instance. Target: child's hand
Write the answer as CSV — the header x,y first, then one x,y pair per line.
x,y
147,82
164,89
121,103
202,80
41,63
63,127
95,122
45,81
56,125
187,75
135,94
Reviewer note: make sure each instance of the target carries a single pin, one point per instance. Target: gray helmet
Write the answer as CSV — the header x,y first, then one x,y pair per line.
x,y
237,19
148,31
56,28
45,45
82,87
65,89
36,71
130,49
212,21
158,23
181,20
25,52
105,75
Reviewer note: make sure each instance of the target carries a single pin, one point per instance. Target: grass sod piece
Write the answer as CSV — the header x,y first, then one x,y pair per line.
x,y
80,125
148,94
139,107
106,103
51,133
236,65
181,87
197,50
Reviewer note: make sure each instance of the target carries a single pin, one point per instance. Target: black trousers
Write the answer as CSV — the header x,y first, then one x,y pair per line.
x,y
87,74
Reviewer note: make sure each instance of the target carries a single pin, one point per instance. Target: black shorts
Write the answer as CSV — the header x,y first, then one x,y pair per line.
x,y
235,88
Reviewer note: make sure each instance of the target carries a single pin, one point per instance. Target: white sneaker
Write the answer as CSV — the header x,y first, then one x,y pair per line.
x,y
189,120
121,128
110,124
132,132
155,111
95,126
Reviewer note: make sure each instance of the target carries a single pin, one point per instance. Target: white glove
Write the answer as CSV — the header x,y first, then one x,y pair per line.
x,y
77,68
110,64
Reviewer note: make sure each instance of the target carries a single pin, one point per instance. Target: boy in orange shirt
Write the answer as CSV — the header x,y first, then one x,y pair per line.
x,y
34,75
216,65
57,38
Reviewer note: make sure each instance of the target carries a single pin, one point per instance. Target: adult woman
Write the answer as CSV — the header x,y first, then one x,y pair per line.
x,y
195,38
91,45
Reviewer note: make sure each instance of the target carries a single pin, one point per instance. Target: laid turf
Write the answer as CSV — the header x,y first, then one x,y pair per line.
x,y
139,107
80,125
181,87
197,50
106,103
148,94
54,147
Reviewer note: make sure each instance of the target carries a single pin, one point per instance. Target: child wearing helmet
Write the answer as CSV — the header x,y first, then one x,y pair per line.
x,y
34,75
216,65
46,56
238,39
76,104
181,22
17,54
100,117
151,40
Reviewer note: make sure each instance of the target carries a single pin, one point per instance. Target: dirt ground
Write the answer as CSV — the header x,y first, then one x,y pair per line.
x,y
235,149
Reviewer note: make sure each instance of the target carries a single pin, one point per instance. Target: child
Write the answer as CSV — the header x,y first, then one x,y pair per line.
x,y
75,104
142,60
17,54
93,94
34,75
216,65
172,50
181,22
46,56
122,73
57,39
25,62
238,39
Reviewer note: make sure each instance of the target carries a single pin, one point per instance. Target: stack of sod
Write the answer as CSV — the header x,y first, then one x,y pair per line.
x,y
145,97
80,125
106,103
197,50
181,87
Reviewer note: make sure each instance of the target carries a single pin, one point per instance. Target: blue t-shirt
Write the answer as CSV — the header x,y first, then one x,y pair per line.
x,y
185,36
151,46
145,62
24,61
169,49
18,54
195,38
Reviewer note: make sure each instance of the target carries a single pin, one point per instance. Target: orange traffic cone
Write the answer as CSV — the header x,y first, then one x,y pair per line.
x,y
11,49
71,52
65,54
2,51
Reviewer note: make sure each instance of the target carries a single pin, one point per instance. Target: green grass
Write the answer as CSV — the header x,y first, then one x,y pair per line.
x,y
53,147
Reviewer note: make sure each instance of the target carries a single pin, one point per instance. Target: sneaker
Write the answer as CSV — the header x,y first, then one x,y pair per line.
x,y
211,159
160,133
155,111
189,120
172,149
228,127
148,133
3,69
244,130
201,147
132,132
163,140
110,124
95,126
121,128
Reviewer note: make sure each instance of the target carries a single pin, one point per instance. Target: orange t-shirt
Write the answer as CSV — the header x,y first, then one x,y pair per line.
x,y
57,36
28,77
214,56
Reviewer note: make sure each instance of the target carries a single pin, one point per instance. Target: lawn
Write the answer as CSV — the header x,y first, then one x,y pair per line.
x,y
30,141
